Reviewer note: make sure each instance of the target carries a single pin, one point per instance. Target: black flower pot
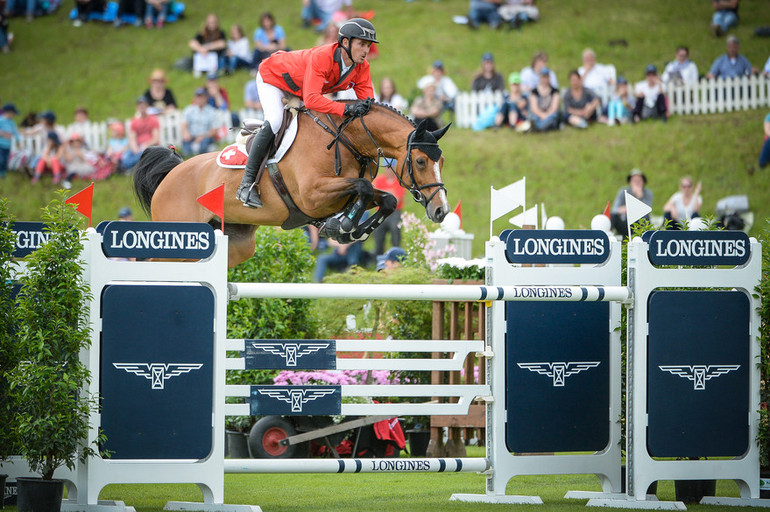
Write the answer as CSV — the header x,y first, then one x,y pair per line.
x,y
2,487
691,491
236,445
38,495
764,484
418,442
9,496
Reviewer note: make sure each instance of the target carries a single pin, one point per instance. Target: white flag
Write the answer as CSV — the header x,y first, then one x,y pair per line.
x,y
543,216
526,218
635,210
507,199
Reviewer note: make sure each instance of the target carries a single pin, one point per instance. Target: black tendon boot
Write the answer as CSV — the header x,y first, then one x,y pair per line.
x,y
246,192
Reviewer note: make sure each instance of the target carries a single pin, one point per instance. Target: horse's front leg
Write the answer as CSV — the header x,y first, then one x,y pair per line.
x,y
386,204
348,221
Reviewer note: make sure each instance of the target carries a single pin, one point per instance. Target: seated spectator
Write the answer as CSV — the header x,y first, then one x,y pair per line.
x,y
159,97
514,110
389,96
518,12
764,155
8,133
684,204
544,103
156,12
209,46
725,16
446,90
580,103
731,64
217,95
251,99
391,260
323,11
200,124
128,9
342,257
428,106
650,99
637,186
681,71
268,39
85,8
50,159
6,38
530,75
484,11
621,104
488,79
20,7
387,181
117,144
75,159
82,122
143,132
766,70
239,53
600,78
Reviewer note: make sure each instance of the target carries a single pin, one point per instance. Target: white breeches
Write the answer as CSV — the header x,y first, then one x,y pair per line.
x,y
271,98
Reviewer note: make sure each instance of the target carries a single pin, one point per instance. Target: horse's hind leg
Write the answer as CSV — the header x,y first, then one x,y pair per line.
x,y
241,243
348,222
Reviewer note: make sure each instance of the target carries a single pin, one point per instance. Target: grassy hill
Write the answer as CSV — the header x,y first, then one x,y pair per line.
x,y
57,66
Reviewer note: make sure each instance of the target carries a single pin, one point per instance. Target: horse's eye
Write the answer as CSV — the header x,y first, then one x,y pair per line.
x,y
420,162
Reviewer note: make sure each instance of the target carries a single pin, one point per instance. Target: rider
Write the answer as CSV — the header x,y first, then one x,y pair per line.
x,y
309,74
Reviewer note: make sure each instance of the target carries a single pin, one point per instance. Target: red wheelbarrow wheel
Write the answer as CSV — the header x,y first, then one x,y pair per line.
x,y
265,437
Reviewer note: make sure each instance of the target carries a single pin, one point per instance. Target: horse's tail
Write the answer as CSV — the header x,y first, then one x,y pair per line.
x,y
154,164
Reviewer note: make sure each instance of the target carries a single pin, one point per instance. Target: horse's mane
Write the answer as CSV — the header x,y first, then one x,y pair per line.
x,y
388,108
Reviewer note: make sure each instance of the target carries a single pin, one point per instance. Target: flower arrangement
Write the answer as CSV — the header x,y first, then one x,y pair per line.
x,y
420,249
462,269
336,377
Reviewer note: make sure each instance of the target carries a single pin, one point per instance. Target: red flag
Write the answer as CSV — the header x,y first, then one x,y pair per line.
x,y
459,211
607,210
214,201
83,201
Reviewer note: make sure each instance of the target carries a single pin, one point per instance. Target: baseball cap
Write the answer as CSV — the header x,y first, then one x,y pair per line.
x,y
124,212
733,39
487,56
636,172
142,99
651,68
545,71
10,107
514,78
393,254
201,91
76,136
438,64
49,116
622,80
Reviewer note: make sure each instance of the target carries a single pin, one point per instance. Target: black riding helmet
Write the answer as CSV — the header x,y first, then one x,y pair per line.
x,y
356,28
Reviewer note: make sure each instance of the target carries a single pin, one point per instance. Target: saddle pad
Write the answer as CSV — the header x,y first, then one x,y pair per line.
x,y
235,155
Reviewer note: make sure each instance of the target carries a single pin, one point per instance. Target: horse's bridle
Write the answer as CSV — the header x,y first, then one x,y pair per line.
x,y
416,191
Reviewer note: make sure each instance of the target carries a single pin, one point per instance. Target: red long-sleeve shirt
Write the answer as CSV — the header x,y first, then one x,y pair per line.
x,y
312,73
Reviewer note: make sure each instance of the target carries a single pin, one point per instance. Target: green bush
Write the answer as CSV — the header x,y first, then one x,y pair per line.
x,y
8,346
763,291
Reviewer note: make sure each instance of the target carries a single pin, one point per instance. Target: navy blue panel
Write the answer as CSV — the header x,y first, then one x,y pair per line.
x,y
29,237
504,234
291,355
172,240
699,248
296,400
698,374
157,371
557,246
557,376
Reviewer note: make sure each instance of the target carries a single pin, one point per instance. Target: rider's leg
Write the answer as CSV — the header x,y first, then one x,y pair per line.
x,y
272,106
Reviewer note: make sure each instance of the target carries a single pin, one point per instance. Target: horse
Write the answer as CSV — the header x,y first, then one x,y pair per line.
x,y
317,185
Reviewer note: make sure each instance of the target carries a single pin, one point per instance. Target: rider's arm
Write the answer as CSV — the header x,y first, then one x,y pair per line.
x,y
313,83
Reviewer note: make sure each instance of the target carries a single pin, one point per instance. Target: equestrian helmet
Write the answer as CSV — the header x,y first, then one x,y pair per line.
x,y
357,28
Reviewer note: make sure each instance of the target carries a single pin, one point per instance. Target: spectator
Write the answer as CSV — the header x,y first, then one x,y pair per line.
x,y
513,112
156,13
6,38
18,7
600,78
387,181
217,95
128,9
684,204
680,71
621,104
323,10
580,103
239,53
650,99
446,90
125,214
143,132
84,10
725,16
766,70
488,79
159,97
730,64
530,75
389,96
117,145
342,257
200,124
251,99
484,11
8,132
764,155
50,158
76,160
82,123
637,186
209,46
428,107
392,259
268,39
544,103
518,12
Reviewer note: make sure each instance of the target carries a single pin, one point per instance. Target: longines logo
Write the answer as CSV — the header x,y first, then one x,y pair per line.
x,y
290,351
557,246
158,373
296,397
559,371
699,374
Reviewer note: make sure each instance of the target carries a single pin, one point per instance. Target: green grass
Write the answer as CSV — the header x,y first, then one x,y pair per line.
x,y
575,173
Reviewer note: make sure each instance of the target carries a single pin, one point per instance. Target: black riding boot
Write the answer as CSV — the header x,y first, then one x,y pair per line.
x,y
246,192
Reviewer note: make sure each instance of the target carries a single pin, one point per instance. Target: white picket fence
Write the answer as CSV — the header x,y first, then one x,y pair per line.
x,y
706,97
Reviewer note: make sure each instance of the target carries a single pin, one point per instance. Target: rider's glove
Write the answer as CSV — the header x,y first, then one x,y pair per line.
x,y
357,108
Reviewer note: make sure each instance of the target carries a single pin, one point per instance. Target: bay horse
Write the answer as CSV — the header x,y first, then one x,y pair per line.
x,y
330,188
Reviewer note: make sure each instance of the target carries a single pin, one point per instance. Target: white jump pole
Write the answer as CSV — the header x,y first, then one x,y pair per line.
x,y
442,465
437,292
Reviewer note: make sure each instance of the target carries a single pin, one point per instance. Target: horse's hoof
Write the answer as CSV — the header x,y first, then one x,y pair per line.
x,y
331,228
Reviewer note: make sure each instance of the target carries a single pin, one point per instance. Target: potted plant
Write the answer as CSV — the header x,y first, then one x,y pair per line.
x,y
763,436
49,384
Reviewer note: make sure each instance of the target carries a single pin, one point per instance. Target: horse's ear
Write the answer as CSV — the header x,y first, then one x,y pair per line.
x,y
420,129
440,132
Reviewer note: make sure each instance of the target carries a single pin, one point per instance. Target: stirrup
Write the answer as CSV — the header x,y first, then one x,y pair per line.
x,y
251,200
